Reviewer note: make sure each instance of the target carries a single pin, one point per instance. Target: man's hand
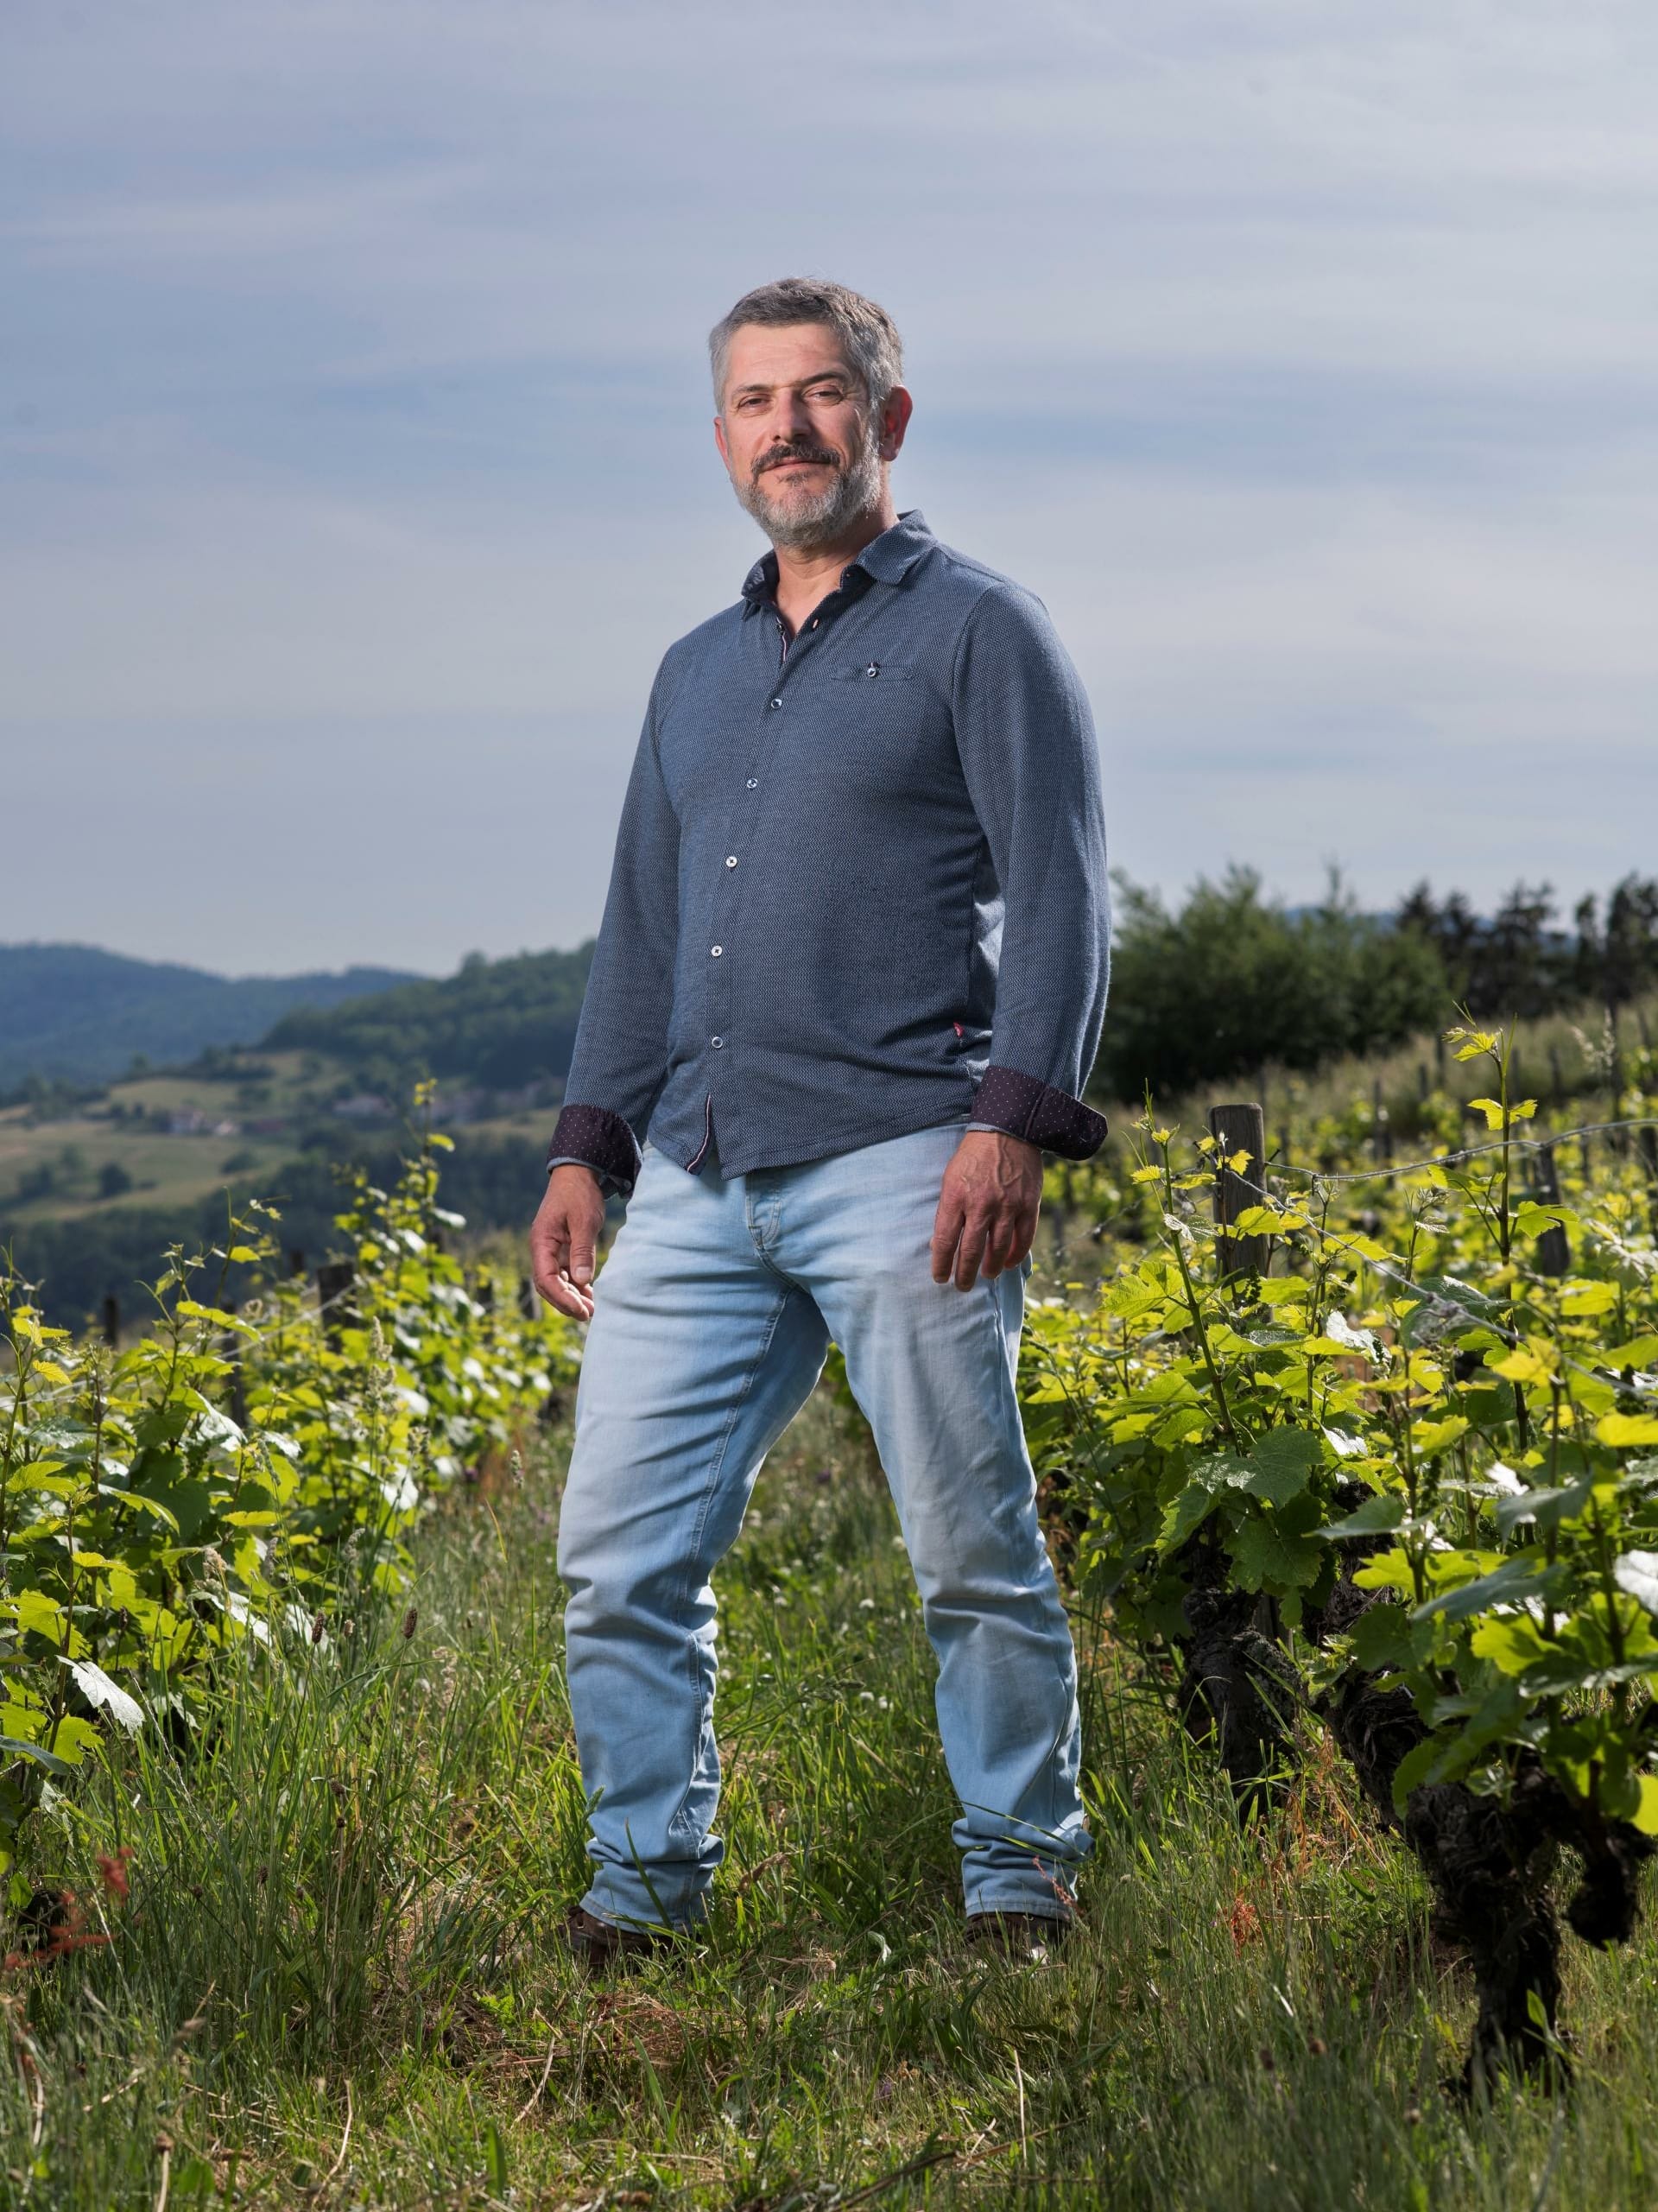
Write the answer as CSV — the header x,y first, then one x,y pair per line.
x,y
988,1205
563,1238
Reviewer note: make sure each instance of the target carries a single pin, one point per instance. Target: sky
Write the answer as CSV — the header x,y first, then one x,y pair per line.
x,y
357,468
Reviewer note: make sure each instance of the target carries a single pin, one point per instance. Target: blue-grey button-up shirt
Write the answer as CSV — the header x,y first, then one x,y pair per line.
x,y
859,885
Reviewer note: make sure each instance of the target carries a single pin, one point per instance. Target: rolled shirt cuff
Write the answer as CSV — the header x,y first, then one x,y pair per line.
x,y
1008,1100
592,1137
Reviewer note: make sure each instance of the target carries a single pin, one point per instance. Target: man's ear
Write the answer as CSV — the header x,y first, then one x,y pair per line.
x,y
895,420
719,439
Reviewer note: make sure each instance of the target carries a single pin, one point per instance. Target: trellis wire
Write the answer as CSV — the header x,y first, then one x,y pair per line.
x,y
1463,1152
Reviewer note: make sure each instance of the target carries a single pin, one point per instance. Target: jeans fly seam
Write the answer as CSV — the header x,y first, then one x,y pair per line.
x,y
709,1489
764,1257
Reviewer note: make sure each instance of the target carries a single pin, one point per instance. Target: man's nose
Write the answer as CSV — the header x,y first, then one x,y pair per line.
x,y
791,418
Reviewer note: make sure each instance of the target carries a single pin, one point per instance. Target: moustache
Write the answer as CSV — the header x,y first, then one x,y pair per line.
x,y
817,454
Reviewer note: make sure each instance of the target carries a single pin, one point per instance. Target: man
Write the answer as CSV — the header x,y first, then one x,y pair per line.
x,y
847,989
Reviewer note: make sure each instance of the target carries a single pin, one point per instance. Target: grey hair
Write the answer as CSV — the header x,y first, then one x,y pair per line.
x,y
867,332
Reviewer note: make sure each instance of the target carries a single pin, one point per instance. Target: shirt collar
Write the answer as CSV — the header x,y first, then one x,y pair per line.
x,y
886,560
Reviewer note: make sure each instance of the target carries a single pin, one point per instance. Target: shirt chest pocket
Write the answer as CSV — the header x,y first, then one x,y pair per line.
x,y
885,735
873,672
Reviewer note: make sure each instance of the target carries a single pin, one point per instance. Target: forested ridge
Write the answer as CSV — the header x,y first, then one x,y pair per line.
x,y
501,1023
76,1014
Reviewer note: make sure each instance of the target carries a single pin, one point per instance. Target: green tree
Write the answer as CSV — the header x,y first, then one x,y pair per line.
x,y
1233,980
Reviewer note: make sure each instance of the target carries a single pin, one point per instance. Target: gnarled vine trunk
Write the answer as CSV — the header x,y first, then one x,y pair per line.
x,y
1490,1863
1239,1688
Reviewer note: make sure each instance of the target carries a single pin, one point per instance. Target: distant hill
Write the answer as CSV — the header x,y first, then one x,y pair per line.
x,y
502,1023
322,1084
71,1013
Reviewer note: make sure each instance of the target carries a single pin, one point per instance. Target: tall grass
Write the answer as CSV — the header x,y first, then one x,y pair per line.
x,y
337,1978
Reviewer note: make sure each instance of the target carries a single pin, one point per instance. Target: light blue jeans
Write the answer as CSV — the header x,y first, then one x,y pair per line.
x,y
713,1313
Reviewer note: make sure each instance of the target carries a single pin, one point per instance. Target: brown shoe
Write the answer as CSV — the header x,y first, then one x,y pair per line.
x,y
1020,1935
598,1946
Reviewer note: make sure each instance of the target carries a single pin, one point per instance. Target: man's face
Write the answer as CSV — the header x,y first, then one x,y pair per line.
x,y
796,433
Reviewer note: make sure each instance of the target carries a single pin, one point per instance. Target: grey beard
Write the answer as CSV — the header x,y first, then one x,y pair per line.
x,y
804,525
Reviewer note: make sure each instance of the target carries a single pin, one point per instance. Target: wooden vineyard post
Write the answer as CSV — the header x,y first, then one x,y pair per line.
x,y
1557,1075
526,1297
1240,1129
1554,1249
1647,1140
113,1322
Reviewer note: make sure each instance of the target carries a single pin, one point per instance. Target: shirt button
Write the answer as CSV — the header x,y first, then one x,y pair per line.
x,y
731,860
777,702
753,782
714,951
716,1041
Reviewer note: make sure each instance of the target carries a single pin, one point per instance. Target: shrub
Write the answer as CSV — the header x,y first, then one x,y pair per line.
x,y
1233,980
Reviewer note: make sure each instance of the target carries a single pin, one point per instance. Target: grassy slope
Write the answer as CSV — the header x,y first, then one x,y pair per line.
x,y
168,1170
344,1911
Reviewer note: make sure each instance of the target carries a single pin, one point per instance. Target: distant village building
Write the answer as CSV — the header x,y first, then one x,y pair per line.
x,y
462,1106
364,1105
